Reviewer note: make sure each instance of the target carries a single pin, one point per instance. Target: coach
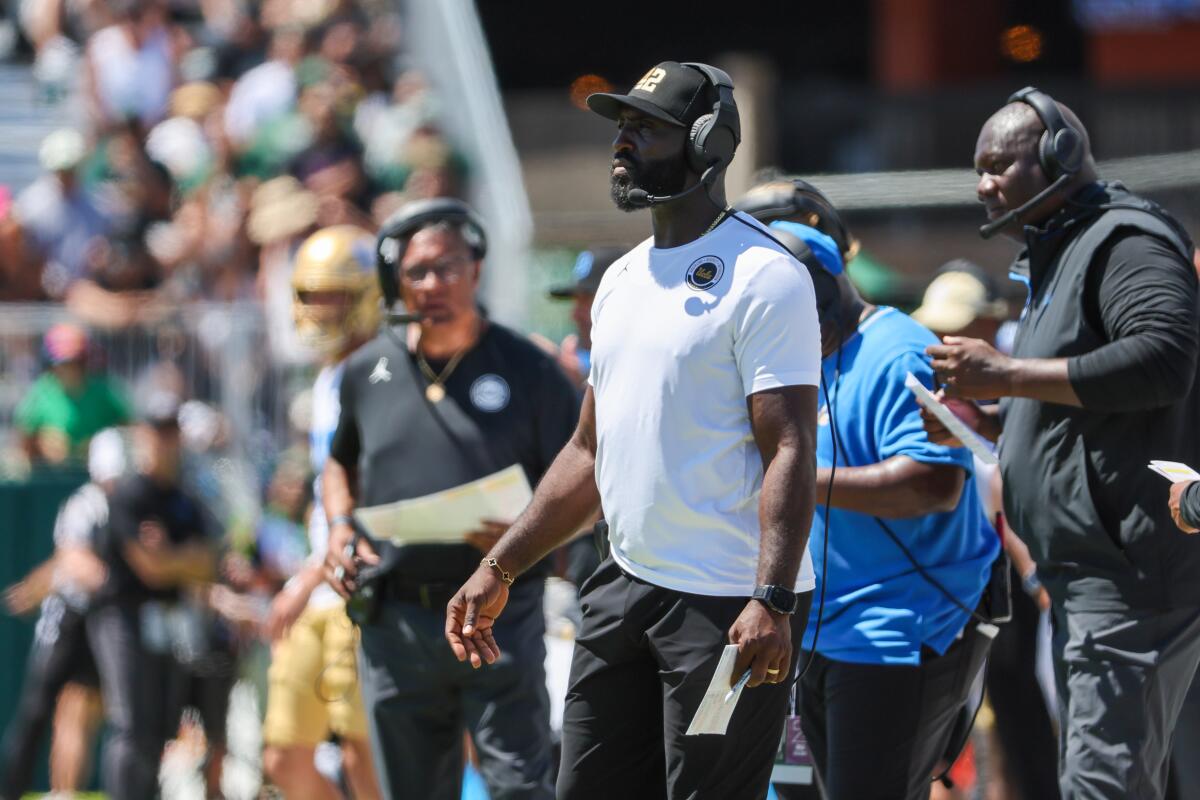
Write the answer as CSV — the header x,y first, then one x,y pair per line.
x,y
1101,381
456,398
697,438
908,552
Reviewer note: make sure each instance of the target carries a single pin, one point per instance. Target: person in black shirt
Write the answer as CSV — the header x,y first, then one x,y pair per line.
x,y
451,399
1101,381
156,541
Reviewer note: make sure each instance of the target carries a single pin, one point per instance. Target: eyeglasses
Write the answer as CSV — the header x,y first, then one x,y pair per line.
x,y
447,270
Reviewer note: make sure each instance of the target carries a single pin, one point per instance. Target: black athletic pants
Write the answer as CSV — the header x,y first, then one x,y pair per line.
x,y
143,694
877,732
1023,723
642,662
419,699
60,655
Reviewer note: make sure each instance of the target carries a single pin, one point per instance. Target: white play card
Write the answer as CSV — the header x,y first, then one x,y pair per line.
x,y
1174,471
719,700
970,439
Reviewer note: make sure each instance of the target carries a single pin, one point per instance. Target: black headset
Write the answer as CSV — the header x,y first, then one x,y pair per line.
x,y
714,136
396,231
778,200
1060,150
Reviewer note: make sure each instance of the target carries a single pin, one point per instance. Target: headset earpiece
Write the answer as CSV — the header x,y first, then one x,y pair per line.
x,y
714,137
1060,148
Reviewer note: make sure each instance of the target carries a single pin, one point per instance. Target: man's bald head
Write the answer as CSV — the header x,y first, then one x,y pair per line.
x,y
1017,125
1010,170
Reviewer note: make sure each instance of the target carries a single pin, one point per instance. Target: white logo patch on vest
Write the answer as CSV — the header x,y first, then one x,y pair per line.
x,y
490,393
381,372
705,272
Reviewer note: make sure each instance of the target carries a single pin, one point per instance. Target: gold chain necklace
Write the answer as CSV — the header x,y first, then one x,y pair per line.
x,y
435,392
720,218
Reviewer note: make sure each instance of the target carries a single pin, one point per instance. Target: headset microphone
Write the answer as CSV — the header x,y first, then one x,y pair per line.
x,y
643,199
403,317
992,228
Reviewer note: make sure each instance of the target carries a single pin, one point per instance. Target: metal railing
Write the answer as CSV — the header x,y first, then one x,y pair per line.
x,y
212,352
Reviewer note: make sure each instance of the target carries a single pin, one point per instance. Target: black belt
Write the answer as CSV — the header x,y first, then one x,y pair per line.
x,y
433,596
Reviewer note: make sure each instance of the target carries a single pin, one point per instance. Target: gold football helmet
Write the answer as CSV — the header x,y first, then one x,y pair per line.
x,y
338,259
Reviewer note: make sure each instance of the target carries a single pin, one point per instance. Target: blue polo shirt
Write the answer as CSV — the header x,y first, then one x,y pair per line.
x,y
878,609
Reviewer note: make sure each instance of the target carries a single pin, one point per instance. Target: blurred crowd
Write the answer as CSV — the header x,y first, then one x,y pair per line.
x,y
216,136
208,140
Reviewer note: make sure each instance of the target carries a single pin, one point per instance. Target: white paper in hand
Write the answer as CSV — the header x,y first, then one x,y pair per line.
x,y
719,701
970,439
1174,471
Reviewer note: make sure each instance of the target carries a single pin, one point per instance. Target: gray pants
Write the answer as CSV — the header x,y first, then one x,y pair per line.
x,y
142,700
419,700
1122,678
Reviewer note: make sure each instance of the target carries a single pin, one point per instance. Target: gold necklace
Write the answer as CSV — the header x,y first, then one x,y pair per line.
x,y
435,392
720,218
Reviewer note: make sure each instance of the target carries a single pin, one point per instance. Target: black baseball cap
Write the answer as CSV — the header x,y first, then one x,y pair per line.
x,y
589,269
669,91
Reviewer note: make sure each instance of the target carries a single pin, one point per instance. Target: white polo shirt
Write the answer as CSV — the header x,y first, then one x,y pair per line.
x,y
680,338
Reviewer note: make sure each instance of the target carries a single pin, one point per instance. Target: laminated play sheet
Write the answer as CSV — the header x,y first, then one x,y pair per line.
x,y
720,699
448,515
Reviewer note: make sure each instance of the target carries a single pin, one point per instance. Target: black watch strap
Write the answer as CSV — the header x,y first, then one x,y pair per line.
x,y
779,599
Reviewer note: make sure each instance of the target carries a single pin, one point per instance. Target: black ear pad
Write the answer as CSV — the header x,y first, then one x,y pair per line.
x,y
395,231
1063,150
710,145
697,158
1060,148
714,137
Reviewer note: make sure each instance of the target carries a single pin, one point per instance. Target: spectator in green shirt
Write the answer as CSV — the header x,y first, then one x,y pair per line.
x,y
67,404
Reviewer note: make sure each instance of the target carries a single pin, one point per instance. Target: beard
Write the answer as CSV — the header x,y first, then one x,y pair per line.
x,y
655,178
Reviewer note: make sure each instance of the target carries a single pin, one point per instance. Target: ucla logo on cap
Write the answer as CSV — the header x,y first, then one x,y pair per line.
x,y
583,265
705,273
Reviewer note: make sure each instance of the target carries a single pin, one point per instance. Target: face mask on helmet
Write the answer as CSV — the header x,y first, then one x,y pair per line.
x,y
335,296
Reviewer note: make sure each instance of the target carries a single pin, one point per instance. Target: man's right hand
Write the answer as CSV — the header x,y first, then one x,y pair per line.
x,y
341,568
472,612
1175,503
965,410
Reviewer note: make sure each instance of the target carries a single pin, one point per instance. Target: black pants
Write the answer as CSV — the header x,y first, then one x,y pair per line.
x,y
642,662
419,699
879,731
143,694
1023,723
1122,678
60,655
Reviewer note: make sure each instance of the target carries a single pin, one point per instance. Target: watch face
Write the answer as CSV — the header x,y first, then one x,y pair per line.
x,y
782,600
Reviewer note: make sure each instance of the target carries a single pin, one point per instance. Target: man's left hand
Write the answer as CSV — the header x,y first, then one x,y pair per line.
x,y
971,368
764,640
1177,490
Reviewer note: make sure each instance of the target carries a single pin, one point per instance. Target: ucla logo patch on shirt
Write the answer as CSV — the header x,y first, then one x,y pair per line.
x,y
705,272
490,393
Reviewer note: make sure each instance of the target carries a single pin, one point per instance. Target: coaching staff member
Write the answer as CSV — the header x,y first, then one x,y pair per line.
x,y
1101,381
455,398
696,437
908,556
